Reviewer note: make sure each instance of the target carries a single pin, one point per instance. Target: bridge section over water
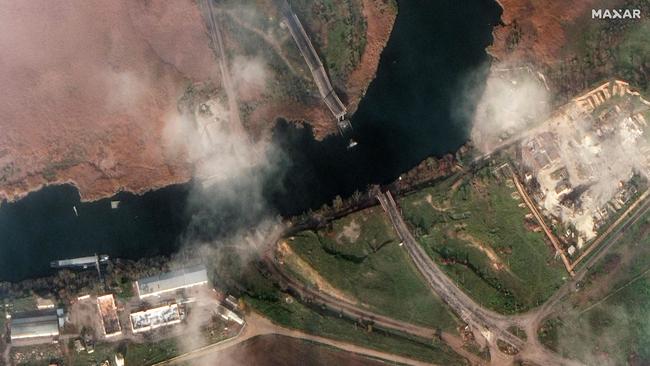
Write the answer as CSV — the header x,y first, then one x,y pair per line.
x,y
313,61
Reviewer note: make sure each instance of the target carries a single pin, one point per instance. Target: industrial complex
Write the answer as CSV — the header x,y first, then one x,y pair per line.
x,y
158,310
589,162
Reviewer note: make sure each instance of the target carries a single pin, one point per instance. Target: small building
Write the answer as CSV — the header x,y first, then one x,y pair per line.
x,y
42,304
33,325
150,319
108,314
171,281
229,315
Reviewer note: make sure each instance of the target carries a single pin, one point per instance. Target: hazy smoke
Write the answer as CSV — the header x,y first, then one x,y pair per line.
x,y
250,76
513,100
515,105
599,163
232,223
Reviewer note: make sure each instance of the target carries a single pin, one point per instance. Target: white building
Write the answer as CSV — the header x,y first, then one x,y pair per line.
x,y
143,321
171,281
34,325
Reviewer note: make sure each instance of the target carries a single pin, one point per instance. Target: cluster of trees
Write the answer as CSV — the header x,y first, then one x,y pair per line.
x,y
66,285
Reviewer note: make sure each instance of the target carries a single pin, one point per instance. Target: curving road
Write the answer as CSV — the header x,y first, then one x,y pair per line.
x,y
353,311
257,325
491,325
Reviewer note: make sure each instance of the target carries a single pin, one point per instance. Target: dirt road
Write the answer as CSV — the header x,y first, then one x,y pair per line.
x,y
355,312
491,325
257,325
217,42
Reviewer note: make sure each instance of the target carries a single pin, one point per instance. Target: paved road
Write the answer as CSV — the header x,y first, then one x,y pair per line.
x,y
257,325
489,323
354,311
492,325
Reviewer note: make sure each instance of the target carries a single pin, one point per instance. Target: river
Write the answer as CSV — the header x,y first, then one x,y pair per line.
x,y
412,110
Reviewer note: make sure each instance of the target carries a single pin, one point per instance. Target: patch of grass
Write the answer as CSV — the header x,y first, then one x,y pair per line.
x,y
150,353
126,289
337,29
474,228
35,355
103,351
134,353
602,49
548,333
360,255
518,332
609,324
22,304
296,315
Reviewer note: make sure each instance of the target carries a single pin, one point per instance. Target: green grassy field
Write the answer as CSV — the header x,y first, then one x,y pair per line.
x,y
360,255
134,353
609,323
600,50
286,311
22,304
475,229
345,27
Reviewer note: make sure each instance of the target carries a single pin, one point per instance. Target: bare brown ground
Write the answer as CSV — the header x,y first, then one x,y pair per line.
x,y
539,26
379,20
497,263
84,100
280,350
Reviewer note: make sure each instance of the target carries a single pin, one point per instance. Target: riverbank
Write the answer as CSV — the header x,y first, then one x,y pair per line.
x,y
402,119
108,134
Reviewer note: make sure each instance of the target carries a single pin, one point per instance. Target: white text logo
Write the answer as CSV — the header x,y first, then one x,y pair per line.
x,y
615,13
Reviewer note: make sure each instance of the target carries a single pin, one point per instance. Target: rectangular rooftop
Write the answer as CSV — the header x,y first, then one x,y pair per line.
x,y
171,281
34,324
143,321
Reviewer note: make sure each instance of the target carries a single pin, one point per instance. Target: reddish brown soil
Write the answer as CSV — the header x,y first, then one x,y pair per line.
x,y
379,19
83,100
279,350
534,30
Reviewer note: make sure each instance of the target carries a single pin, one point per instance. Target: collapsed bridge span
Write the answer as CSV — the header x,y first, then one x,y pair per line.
x,y
308,52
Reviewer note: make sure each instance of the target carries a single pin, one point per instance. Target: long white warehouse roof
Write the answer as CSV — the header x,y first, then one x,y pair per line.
x,y
34,325
172,281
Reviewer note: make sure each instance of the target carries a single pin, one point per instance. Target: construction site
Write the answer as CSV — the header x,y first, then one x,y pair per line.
x,y
587,165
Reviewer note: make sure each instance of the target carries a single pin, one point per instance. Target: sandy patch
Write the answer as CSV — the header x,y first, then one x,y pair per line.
x,y
497,263
290,258
445,206
350,232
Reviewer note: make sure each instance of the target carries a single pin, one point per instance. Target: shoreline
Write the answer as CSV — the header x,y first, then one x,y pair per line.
x,y
95,187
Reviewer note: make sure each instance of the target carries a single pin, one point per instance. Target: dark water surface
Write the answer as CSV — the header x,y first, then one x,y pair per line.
x,y
409,112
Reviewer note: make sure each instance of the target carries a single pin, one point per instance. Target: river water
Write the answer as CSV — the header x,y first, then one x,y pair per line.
x,y
413,109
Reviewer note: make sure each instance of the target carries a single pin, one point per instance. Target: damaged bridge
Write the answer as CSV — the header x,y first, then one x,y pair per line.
x,y
315,65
